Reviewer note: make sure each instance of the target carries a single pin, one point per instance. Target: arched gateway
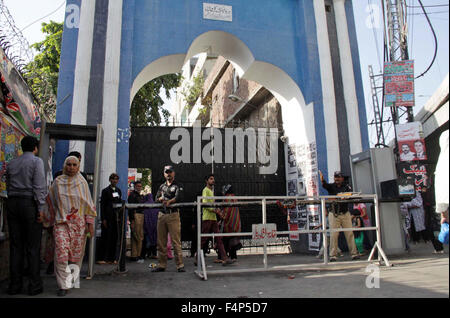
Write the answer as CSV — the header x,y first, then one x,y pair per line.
x,y
303,51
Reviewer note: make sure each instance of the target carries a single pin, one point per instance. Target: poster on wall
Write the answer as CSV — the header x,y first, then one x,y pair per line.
x,y
314,240
410,141
291,160
399,83
412,174
292,187
10,137
302,217
18,102
294,236
307,185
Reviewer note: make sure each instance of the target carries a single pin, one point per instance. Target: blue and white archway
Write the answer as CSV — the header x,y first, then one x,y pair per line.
x,y
111,48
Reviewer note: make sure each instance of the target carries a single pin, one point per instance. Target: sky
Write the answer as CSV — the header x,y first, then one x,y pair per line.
x,y
29,14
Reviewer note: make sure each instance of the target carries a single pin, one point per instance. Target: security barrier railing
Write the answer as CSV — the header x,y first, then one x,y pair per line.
x,y
264,201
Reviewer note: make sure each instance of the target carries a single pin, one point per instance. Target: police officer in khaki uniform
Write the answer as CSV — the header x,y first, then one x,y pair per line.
x,y
169,193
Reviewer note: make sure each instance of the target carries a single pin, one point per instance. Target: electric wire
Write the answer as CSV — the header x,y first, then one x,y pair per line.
x,y
435,40
369,3
429,6
49,14
411,31
434,12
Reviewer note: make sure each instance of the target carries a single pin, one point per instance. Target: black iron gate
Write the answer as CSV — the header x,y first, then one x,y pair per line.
x,y
150,147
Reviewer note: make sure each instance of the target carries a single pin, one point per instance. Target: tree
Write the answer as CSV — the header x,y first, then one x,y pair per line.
x,y
147,104
41,74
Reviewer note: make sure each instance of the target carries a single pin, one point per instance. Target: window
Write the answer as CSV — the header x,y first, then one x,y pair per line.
x,y
235,81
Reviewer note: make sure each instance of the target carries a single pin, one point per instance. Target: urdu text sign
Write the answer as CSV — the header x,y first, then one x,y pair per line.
x,y
399,83
218,12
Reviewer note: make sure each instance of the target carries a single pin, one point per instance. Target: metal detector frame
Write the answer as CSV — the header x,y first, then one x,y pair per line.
x,y
77,132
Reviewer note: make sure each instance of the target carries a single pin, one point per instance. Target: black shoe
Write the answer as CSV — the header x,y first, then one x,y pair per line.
x,y
333,259
13,291
181,270
356,257
62,292
158,269
50,269
35,292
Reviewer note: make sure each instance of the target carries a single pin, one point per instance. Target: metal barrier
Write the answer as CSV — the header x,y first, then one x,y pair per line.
x,y
264,201
270,200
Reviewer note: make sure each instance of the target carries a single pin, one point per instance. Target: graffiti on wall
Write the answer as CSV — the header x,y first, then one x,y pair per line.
x,y
10,137
17,100
18,115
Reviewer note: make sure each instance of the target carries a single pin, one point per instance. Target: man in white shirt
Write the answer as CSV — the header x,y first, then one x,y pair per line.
x,y
407,154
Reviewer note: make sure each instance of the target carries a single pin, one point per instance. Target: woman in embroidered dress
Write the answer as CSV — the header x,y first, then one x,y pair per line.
x,y
71,212
231,224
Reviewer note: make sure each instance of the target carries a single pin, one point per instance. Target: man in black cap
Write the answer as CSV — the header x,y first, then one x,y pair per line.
x,y
340,216
169,192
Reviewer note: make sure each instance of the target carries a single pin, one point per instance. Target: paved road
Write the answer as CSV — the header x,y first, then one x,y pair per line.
x,y
413,275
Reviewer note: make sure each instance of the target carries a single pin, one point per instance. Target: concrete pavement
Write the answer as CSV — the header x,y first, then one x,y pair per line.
x,y
416,274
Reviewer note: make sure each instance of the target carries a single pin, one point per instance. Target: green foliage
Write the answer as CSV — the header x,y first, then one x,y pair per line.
x,y
192,92
147,104
146,177
42,76
42,73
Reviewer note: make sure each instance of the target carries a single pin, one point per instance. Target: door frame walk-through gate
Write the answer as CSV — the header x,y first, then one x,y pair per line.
x,y
54,131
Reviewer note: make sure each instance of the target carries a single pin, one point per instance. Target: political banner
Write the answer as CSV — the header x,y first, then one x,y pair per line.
x,y
399,83
410,142
414,173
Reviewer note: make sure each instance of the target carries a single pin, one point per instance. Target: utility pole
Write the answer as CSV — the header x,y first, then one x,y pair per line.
x,y
397,31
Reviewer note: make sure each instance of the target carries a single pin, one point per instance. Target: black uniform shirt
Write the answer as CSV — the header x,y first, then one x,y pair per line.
x,y
334,189
168,192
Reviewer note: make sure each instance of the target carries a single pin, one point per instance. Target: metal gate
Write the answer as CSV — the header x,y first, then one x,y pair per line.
x,y
150,148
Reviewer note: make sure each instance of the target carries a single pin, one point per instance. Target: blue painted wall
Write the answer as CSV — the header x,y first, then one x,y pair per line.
x,y
281,33
66,83
358,77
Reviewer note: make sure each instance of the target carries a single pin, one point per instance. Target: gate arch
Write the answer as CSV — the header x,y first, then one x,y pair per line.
x,y
286,46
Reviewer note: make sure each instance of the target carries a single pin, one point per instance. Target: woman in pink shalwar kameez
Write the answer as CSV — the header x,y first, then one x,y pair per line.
x,y
71,212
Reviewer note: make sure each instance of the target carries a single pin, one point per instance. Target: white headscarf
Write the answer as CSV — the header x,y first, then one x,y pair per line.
x,y
67,196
